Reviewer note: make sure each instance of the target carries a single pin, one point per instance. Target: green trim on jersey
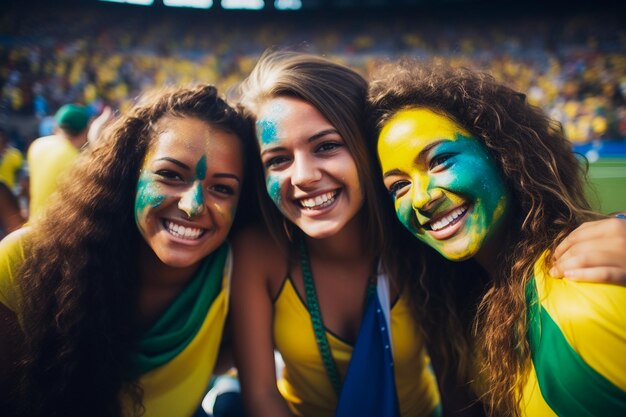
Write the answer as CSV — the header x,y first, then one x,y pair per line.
x,y
180,323
567,383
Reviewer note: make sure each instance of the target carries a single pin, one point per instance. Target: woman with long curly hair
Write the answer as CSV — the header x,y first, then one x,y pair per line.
x,y
121,288
490,182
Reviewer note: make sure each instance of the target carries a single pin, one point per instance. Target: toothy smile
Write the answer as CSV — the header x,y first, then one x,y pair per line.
x,y
183,232
318,202
449,219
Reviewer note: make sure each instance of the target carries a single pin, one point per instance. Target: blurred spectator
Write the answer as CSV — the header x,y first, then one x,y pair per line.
x,y
572,64
10,214
50,156
11,161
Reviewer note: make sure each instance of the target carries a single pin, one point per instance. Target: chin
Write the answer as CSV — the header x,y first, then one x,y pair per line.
x,y
178,261
458,255
318,232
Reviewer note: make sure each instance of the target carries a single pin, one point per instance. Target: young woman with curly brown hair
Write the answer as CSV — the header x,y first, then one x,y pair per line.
x,y
121,288
490,182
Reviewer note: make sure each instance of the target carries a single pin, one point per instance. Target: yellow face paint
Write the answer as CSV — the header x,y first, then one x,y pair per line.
x,y
447,190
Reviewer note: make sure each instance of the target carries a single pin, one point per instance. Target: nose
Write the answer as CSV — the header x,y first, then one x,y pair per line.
x,y
424,198
192,200
304,171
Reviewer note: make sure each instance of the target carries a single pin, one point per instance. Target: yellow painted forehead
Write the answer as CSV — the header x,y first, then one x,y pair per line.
x,y
419,123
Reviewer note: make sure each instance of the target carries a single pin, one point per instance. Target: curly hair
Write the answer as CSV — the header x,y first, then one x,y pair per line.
x,y
464,315
80,279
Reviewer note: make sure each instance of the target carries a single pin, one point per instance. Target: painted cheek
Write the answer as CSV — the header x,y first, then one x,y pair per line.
x,y
405,213
272,184
148,195
226,215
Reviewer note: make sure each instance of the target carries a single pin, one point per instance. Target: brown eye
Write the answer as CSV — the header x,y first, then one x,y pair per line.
x,y
328,146
275,161
223,189
397,186
440,160
168,174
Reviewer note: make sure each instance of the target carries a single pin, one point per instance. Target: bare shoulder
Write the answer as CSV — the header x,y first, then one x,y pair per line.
x,y
258,256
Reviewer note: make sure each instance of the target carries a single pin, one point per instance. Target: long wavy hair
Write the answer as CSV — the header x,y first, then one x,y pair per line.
x,y
339,94
80,280
467,315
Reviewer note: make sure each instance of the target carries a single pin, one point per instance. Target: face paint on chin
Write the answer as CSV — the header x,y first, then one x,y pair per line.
x,y
455,188
148,194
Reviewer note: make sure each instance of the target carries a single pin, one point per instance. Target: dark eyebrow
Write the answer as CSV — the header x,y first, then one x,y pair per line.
x,y
430,146
175,162
392,172
227,175
271,150
313,138
321,134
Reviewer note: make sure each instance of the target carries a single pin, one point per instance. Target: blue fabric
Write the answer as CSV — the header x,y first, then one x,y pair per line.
x,y
369,389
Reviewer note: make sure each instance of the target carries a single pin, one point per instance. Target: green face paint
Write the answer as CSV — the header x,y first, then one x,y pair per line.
x,y
201,168
267,126
272,185
193,199
148,195
266,131
448,191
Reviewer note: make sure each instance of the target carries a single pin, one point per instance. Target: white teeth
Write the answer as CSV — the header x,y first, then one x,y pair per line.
x,y
445,221
319,201
183,232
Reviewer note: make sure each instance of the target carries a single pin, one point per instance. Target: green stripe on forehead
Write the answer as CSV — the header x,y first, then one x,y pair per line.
x,y
201,168
266,131
267,127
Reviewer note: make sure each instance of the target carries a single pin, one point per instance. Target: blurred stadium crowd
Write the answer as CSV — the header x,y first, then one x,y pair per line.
x,y
573,66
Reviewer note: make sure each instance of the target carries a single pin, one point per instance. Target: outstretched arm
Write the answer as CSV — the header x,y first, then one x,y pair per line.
x,y
595,251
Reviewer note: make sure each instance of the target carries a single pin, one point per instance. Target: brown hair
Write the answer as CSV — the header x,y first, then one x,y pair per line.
x,y
464,315
339,94
80,280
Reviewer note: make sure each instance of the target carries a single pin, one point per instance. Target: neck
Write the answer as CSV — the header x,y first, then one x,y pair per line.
x,y
160,284
489,254
155,274
348,245
78,141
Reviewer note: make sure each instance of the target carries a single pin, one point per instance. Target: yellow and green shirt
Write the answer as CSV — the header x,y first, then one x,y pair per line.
x,y
174,375
10,164
577,337
305,384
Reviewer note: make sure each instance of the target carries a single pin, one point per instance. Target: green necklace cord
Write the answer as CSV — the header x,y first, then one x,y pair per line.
x,y
316,317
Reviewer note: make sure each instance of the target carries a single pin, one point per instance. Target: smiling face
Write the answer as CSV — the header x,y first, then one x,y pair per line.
x,y
447,189
188,190
309,172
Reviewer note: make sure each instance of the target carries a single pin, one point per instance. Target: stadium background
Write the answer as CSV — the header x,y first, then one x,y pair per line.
x,y
568,57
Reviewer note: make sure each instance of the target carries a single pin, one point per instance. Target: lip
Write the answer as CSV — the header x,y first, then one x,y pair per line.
x,y
204,232
452,228
322,208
